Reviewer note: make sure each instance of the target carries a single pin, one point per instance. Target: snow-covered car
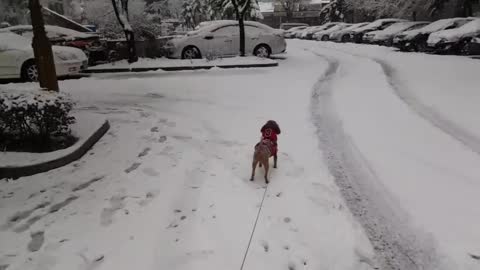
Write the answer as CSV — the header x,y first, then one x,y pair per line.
x,y
17,58
344,34
472,47
454,40
385,36
223,39
298,34
324,35
90,43
416,40
287,26
357,34
290,33
308,34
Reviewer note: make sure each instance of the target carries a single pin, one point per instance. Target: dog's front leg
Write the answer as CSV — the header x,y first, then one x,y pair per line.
x,y
275,161
266,165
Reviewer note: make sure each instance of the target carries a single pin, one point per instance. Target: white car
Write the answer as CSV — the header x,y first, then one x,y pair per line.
x,y
416,40
453,40
385,36
380,24
308,34
222,38
324,35
290,33
344,34
17,59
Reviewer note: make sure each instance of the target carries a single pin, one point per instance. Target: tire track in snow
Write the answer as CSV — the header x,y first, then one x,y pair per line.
x,y
429,114
426,112
397,246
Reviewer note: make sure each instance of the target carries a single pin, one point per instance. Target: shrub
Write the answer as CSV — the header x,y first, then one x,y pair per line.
x,y
35,121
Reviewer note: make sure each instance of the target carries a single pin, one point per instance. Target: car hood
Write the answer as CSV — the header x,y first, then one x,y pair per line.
x,y
68,53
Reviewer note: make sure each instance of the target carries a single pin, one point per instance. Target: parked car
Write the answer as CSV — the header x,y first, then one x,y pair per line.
x,y
385,36
344,34
472,47
324,35
308,34
455,40
90,43
299,34
17,58
287,26
290,33
223,39
416,40
357,34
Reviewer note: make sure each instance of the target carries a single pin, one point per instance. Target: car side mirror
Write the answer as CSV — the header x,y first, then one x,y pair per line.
x,y
208,37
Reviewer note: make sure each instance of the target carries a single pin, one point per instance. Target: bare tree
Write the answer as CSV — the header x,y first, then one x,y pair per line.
x,y
289,6
241,7
121,11
42,49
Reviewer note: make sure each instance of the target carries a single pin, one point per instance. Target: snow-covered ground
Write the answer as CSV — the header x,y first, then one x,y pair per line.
x,y
409,128
379,151
168,188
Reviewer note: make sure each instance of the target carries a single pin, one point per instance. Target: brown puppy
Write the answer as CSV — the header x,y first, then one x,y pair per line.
x,y
261,156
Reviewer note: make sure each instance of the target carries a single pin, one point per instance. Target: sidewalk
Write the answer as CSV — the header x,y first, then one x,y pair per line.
x,y
146,64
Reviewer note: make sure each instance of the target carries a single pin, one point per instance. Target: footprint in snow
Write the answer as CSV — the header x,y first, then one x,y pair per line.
x,y
162,139
116,203
133,167
36,242
144,152
265,246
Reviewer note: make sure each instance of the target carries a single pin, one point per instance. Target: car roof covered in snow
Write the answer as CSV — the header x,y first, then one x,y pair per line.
x,y
336,27
467,30
355,26
9,40
376,24
436,26
399,27
61,31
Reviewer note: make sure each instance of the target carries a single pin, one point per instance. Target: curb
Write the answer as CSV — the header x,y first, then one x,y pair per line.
x,y
17,172
180,68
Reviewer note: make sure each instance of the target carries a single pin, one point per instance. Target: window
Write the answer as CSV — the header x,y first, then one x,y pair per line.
x,y
229,30
252,30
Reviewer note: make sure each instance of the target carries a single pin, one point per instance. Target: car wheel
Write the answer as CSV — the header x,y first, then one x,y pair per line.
x,y
324,38
421,47
191,52
465,48
345,38
30,71
262,50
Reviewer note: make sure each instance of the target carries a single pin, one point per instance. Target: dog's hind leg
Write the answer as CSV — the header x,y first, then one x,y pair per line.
x,y
275,161
266,170
254,165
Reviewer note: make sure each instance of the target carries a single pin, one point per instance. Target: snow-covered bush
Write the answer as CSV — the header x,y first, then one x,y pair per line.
x,y
35,119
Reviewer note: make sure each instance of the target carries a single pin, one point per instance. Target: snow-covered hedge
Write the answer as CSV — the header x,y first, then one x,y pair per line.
x,y
34,117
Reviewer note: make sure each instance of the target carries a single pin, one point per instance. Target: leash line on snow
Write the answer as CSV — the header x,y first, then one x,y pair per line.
x,y
254,227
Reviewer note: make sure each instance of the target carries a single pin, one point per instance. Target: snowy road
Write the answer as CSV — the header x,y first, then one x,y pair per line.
x,y
377,153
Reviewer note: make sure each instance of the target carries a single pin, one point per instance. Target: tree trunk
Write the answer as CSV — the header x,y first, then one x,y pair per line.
x,y
42,49
242,35
129,35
